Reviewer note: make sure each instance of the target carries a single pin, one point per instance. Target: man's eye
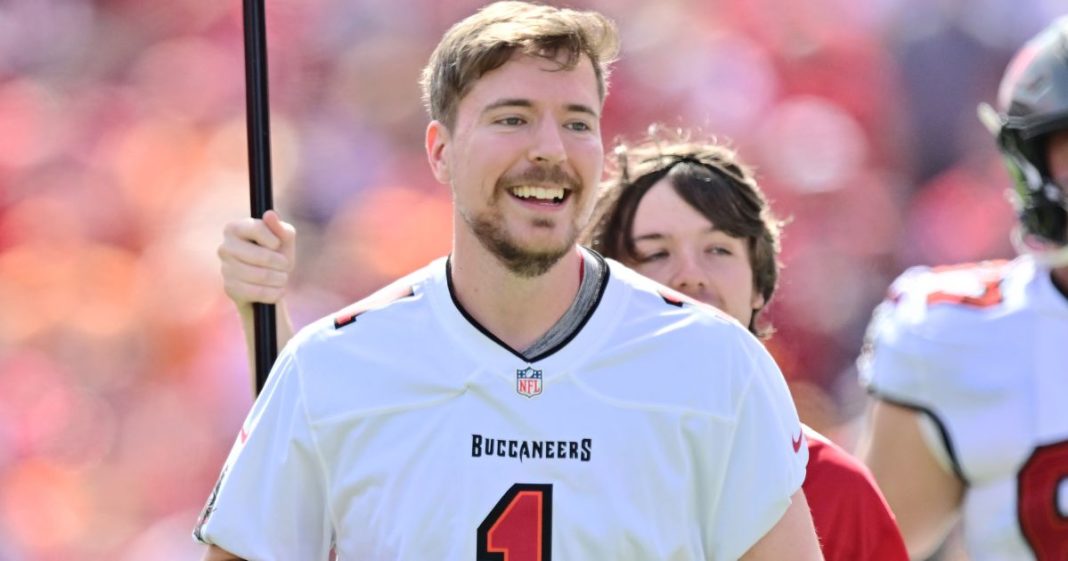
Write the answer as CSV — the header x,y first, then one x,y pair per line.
x,y
656,256
511,121
719,250
579,126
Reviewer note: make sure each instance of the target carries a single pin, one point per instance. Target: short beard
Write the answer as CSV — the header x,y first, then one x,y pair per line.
x,y
490,231
522,263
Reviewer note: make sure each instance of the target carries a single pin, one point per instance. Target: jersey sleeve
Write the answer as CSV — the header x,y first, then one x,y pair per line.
x,y
890,365
927,323
270,502
930,348
766,462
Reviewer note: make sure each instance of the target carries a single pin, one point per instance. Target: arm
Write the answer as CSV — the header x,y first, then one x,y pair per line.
x,y
792,537
924,496
256,258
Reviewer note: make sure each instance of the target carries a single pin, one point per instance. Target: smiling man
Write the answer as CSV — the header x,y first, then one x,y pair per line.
x,y
523,398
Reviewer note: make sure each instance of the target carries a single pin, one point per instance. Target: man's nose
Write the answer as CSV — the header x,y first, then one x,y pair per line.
x,y
547,146
689,277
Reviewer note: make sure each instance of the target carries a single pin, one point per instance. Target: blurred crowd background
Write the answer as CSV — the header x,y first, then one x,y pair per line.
x,y
123,377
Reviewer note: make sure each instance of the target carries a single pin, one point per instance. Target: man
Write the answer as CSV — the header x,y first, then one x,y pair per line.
x,y
968,363
523,399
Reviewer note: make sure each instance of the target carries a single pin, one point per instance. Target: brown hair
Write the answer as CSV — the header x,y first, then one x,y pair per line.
x,y
709,177
487,39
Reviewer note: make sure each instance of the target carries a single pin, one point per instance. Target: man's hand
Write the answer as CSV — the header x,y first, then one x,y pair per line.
x,y
257,257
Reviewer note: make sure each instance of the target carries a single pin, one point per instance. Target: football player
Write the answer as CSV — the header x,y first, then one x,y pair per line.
x,y
968,364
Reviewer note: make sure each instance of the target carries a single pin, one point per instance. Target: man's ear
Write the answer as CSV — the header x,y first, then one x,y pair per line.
x,y
437,147
758,301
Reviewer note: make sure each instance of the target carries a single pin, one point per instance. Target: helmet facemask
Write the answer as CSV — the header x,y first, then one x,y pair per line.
x,y
1039,200
1033,109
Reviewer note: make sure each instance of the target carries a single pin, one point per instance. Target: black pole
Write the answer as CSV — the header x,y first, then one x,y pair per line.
x,y
257,112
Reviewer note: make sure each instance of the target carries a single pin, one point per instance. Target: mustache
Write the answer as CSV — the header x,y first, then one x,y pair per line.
x,y
542,174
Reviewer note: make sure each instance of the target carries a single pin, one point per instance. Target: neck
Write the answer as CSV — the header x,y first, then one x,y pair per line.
x,y
517,310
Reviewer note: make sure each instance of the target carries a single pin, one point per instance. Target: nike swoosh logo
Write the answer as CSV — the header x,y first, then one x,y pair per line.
x,y
797,442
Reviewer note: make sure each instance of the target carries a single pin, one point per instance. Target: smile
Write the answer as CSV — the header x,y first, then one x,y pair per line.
x,y
539,194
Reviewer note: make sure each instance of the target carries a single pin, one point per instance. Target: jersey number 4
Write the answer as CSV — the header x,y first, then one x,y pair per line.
x,y
519,528
1043,524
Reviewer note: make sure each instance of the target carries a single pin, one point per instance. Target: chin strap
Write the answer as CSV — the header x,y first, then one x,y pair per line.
x,y
1047,254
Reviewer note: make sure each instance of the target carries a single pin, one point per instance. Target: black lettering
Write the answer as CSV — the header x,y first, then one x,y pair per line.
x,y
530,449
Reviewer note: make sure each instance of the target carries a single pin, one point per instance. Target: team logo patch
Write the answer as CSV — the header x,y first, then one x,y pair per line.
x,y
528,382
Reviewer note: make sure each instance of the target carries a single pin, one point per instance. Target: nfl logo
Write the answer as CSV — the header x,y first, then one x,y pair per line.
x,y
528,382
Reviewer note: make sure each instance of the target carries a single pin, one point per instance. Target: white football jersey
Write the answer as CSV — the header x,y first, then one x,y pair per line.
x,y
983,350
661,430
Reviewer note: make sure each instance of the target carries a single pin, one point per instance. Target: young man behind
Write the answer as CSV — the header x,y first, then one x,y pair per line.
x,y
689,214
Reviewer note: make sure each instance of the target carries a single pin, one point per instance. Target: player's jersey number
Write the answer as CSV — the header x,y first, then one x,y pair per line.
x,y
1043,524
519,528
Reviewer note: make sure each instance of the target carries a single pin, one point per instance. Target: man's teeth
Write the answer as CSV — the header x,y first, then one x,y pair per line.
x,y
540,193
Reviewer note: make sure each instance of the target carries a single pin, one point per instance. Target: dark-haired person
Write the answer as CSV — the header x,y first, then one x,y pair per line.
x,y
523,398
688,214
968,364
